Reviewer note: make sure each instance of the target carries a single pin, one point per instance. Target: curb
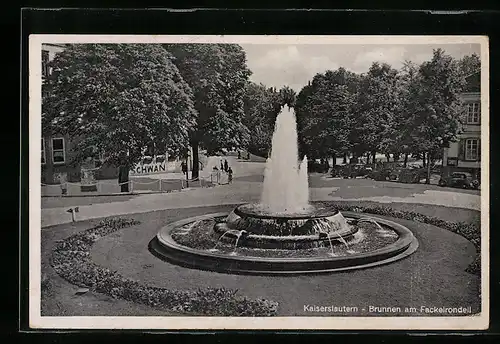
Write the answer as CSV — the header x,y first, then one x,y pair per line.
x,y
125,193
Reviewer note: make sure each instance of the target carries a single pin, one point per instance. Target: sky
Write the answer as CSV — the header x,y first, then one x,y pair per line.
x,y
278,65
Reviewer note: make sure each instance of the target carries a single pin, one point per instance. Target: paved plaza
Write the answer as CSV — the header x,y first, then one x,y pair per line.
x,y
246,187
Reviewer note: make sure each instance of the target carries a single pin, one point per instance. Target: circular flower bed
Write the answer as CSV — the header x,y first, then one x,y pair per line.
x,y
71,260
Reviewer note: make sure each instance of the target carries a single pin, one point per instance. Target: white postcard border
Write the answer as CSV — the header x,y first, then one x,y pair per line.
x,y
37,321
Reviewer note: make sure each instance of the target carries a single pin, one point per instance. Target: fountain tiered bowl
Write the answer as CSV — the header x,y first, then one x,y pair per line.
x,y
253,240
256,226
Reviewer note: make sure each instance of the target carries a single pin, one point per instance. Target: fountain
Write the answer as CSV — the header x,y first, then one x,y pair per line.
x,y
285,187
284,210
284,233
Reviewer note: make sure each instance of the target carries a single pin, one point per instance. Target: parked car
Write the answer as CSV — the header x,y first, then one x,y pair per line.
x,y
463,180
379,175
314,166
412,175
355,170
337,171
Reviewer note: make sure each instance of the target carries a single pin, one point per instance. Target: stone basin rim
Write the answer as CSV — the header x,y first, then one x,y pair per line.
x,y
406,240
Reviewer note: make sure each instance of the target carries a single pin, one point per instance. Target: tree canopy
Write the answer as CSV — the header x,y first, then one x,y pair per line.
x,y
324,111
217,74
118,99
411,110
261,106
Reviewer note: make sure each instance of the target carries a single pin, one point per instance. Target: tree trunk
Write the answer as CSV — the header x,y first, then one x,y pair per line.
x,y
428,178
345,158
423,160
396,156
123,178
354,159
374,158
388,157
196,160
334,160
368,158
406,160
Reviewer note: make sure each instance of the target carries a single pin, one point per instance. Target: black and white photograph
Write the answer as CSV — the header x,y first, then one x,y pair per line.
x,y
258,182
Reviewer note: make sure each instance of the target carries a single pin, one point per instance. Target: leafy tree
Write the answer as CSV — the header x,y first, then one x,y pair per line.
x,y
469,64
117,99
324,114
469,67
287,96
261,105
409,91
377,108
217,74
435,108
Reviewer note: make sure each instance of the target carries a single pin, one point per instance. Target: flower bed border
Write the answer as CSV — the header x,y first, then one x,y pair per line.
x,y
71,260
470,231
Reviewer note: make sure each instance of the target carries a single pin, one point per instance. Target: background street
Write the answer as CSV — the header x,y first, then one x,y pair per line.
x,y
246,187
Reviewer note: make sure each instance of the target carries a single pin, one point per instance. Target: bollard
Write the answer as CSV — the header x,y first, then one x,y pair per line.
x,y
73,211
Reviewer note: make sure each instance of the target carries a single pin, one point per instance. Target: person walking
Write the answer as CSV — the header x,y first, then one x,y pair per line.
x,y
226,165
230,175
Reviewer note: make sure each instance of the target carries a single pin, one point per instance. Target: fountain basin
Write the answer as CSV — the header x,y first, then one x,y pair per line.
x,y
165,247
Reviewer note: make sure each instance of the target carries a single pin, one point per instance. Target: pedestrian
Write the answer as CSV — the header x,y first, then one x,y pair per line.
x,y
184,168
239,154
226,165
230,175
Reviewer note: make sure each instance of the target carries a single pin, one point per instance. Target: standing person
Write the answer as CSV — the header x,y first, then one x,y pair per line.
x,y
239,154
226,165
184,167
215,172
230,175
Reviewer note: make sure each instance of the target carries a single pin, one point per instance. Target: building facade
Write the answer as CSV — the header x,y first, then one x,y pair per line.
x,y
56,152
56,148
464,155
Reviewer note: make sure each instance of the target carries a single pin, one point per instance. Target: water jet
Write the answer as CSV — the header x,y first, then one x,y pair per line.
x,y
284,233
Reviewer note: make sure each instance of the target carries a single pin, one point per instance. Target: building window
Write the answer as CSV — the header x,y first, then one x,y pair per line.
x,y
473,113
58,153
43,151
45,63
471,149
